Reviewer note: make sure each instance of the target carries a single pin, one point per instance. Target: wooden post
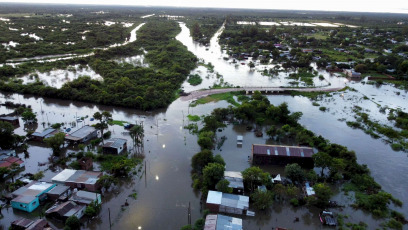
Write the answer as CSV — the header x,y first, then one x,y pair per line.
x,y
110,223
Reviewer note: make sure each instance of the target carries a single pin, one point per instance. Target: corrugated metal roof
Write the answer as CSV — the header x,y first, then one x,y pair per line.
x,y
221,222
23,222
214,197
58,190
233,174
228,200
81,133
115,143
63,175
77,176
277,150
44,133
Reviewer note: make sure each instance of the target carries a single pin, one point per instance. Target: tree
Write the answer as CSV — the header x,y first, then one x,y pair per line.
x,y
323,194
201,159
295,173
362,68
6,135
222,186
254,176
137,135
213,173
55,142
103,119
73,223
279,190
28,116
262,199
322,160
206,139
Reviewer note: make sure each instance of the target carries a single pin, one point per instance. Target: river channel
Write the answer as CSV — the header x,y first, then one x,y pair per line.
x,y
165,193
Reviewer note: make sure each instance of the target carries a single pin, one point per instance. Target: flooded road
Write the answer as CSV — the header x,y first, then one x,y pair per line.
x,y
164,194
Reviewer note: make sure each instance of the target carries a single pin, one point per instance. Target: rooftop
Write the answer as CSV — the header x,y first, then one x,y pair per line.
x,y
235,179
29,192
58,190
279,150
81,133
77,176
228,200
221,222
115,143
8,118
44,133
67,209
84,197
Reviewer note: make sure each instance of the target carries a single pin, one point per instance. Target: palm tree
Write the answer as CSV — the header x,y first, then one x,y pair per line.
x,y
137,134
103,119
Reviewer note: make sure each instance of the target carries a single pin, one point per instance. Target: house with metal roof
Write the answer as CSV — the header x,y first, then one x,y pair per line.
x,y
12,120
114,146
27,224
59,192
227,203
28,198
221,222
80,179
282,155
62,211
7,161
83,134
236,181
37,136
85,198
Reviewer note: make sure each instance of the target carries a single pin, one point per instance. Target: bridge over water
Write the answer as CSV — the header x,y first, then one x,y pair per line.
x,y
249,90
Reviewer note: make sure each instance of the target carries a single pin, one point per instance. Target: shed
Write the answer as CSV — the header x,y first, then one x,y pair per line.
x,y
78,179
12,120
59,192
236,181
228,203
282,155
37,136
85,198
114,146
28,198
221,222
83,134
309,191
62,211
26,224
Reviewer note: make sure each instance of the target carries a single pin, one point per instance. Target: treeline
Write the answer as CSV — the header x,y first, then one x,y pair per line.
x,y
125,84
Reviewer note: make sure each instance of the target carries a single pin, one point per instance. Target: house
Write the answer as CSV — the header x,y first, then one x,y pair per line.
x,y
28,198
85,198
26,224
309,191
228,203
6,161
86,163
37,136
12,120
221,222
65,210
352,74
114,146
59,192
282,155
236,181
8,152
83,134
80,179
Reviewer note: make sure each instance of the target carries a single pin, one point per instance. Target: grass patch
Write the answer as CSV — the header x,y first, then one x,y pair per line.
x,y
133,195
229,97
194,118
120,123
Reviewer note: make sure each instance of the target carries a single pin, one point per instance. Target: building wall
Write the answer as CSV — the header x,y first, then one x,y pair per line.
x,y
281,160
26,207
213,207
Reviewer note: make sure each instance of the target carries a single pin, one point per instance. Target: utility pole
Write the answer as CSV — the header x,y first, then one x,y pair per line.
x,y
189,213
110,223
145,176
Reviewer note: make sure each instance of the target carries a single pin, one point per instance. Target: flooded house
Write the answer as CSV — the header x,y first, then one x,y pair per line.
x,y
85,198
59,192
80,179
114,146
37,136
227,203
221,222
352,74
7,160
282,155
62,211
236,181
12,120
26,224
28,198
82,135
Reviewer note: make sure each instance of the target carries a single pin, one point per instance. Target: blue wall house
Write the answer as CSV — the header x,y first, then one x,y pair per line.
x,y
28,198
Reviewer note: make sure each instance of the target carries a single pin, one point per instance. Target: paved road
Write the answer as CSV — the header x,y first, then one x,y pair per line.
x,y
204,93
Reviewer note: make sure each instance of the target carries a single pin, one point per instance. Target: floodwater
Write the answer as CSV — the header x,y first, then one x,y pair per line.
x,y
165,193
290,23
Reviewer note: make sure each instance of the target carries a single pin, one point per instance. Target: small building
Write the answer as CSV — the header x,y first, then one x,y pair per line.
x,y
221,222
65,210
83,134
37,136
86,163
26,224
228,203
12,120
240,139
236,181
114,146
7,161
309,191
80,179
28,198
8,152
85,198
59,192
352,74
282,155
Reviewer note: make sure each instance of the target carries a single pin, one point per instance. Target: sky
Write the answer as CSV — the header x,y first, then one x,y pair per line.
x,y
392,6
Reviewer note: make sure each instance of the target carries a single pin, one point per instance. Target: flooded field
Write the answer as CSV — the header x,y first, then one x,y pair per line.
x,y
165,192
291,23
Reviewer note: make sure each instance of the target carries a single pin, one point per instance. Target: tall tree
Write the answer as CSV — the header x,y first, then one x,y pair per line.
x,y
213,173
254,176
103,119
295,173
55,142
322,160
28,116
137,134
6,135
